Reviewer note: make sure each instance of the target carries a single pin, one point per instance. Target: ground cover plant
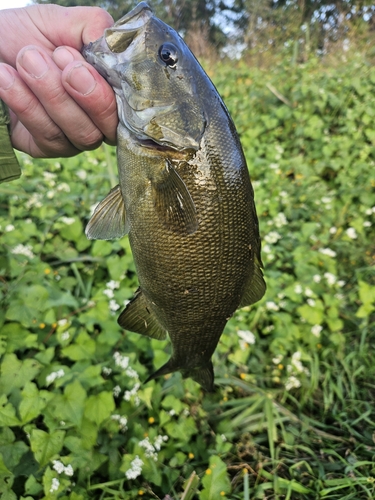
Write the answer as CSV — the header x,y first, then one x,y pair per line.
x,y
293,416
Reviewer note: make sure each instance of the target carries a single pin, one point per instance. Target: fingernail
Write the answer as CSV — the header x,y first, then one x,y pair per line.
x,y
6,78
81,79
62,57
34,63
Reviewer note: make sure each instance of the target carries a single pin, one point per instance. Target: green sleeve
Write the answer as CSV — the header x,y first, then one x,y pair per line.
x,y
9,167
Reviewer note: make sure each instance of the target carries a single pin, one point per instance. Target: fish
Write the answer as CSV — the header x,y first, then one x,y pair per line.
x,y
184,196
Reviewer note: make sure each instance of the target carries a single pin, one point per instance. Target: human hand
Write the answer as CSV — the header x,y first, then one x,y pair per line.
x,y
59,104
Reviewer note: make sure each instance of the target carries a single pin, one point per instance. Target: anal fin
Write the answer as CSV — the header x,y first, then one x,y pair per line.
x,y
109,218
138,317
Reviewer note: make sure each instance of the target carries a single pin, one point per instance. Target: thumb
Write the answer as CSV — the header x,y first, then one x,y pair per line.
x,y
71,26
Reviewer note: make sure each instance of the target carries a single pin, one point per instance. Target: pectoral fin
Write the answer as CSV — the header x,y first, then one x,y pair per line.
x,y
137,317
109,218
255,287
173,201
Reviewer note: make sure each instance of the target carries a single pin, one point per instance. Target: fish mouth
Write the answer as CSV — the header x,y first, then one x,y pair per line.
x,y
122,33
104,52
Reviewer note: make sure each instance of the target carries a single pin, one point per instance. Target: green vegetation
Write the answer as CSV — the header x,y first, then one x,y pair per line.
x,y
294,415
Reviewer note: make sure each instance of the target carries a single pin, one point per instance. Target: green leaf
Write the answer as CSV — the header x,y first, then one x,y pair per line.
x,y
12,453
15,373
4,471
7,413
99,407
70,406
216,483
45,445
83,348
31,404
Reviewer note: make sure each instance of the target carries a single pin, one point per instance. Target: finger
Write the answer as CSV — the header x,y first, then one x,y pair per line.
x,y
76,27
93,94
43,77
39,136
62,56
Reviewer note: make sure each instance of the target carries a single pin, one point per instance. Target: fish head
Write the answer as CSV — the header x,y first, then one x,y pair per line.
x,y
156,79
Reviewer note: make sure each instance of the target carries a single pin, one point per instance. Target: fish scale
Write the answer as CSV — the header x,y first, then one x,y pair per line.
x,y
184,194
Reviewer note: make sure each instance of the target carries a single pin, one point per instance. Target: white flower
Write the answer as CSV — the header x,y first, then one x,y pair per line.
x,y
308,292
113,284
55,485
311,302
63,187
69,470
149,448
49,176
326,199
34,201
367,223
272,237
316,329
277,359
62,322
268,329
298,288
292,383
272,306
9,228
121,361
317,278
266,249
122,421
25,250
274,166
54,375
58,466
65,336
172,412
82,174
247,336
135,468
327,251
331,278
67,220
109,293
280,220
107,371
341,283
116,391
352,233
113,305
132,392
131,373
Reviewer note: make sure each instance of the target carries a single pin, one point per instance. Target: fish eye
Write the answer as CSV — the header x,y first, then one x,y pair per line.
x,y
168,54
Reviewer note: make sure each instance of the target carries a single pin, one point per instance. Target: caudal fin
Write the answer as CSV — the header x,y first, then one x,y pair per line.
x,y
203,375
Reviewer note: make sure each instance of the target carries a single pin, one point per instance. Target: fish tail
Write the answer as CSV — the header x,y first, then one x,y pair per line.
x,y
169,367
203,375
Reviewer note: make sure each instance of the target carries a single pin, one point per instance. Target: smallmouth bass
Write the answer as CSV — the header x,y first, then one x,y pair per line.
x,y
184,196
